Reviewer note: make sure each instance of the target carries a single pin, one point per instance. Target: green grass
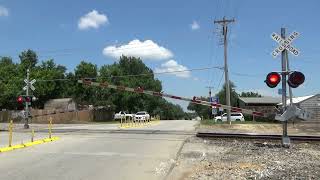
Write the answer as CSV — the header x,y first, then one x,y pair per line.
x,y
211,122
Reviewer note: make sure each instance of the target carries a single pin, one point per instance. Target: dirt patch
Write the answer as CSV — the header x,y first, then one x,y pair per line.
x,y
246,159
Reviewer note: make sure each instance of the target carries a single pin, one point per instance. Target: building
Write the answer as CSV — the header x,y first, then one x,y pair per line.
x,y
309,103
66,104
266,105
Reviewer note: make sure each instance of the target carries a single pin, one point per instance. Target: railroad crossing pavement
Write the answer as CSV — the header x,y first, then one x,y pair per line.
x,y
129,154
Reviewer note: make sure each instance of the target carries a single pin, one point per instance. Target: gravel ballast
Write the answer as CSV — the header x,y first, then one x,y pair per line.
x,y
246,159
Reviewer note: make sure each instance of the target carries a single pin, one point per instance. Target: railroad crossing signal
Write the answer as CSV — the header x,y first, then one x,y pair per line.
x,y
285,44
30,84
273,79
295,79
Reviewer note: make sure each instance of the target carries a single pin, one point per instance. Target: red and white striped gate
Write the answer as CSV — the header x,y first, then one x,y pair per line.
x,y
154,93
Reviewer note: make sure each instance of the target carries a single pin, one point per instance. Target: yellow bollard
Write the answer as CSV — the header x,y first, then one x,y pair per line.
x,y
50,127
32,135
10,132
132,123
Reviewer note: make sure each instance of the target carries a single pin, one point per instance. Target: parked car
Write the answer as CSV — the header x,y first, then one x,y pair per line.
x,y
234,117
141,116
122,114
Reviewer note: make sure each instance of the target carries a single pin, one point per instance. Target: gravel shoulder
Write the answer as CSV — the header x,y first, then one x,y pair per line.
x,y
245,159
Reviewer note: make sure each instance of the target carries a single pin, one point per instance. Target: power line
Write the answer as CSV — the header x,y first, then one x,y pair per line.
x,y
247,75
220,80
169,72
49,80
136,75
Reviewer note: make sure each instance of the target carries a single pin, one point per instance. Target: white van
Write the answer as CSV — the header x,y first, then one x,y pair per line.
x,y
234,117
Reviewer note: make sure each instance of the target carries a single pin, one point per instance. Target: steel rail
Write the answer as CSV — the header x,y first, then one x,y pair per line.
x,y
256,136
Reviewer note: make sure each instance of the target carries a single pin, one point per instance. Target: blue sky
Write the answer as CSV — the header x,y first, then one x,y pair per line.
x,y
181,35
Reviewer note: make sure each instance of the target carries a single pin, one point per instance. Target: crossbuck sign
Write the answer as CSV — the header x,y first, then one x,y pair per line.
x,y
30,84
285,44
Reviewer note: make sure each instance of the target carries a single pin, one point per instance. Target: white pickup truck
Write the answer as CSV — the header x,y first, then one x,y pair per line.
x,y
122,114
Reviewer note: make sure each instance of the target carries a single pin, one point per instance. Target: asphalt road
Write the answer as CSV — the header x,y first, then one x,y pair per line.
x,y
97,151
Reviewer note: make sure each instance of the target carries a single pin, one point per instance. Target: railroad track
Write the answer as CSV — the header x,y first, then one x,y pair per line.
x,y
256,136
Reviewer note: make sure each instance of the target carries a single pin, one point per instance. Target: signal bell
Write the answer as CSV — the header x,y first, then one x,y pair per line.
x,y
273,79
295,79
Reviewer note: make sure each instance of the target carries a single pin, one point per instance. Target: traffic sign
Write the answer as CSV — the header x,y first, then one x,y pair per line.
x,y
30,84
33,81
214,111
285,44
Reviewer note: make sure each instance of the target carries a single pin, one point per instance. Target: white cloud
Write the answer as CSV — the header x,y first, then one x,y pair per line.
x,y
147,50
92,20
195,25
4,11
171,66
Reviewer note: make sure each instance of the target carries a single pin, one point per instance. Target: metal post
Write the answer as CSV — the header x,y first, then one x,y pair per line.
x,y
50,127
26,117
10,133
32,135
285,138
290,89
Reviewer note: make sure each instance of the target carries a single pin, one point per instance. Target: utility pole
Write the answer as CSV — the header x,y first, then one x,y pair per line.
x,y
224,23
26,117
210,95
210,99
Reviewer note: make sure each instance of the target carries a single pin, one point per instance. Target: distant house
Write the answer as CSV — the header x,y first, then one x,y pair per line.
x,y
309,103
66,104
265,105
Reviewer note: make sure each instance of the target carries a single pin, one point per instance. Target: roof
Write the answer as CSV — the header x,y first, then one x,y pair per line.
x,y
297,100
58,103
260,100
61,100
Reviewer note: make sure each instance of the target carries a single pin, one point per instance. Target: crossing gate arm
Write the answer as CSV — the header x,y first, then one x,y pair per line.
x,y
159,94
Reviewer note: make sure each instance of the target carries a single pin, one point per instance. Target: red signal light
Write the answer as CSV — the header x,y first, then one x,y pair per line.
x,y
28,99
20,99
272,79
295,79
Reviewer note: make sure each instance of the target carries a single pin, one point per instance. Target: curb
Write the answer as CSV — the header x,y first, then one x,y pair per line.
x,y
137,126
28,144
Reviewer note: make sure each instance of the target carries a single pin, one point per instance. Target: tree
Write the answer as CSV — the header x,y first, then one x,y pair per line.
x,y
28,59
233,95
201,110
54,82
86,70
84,94
132,72
45,89
10,83
250,94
